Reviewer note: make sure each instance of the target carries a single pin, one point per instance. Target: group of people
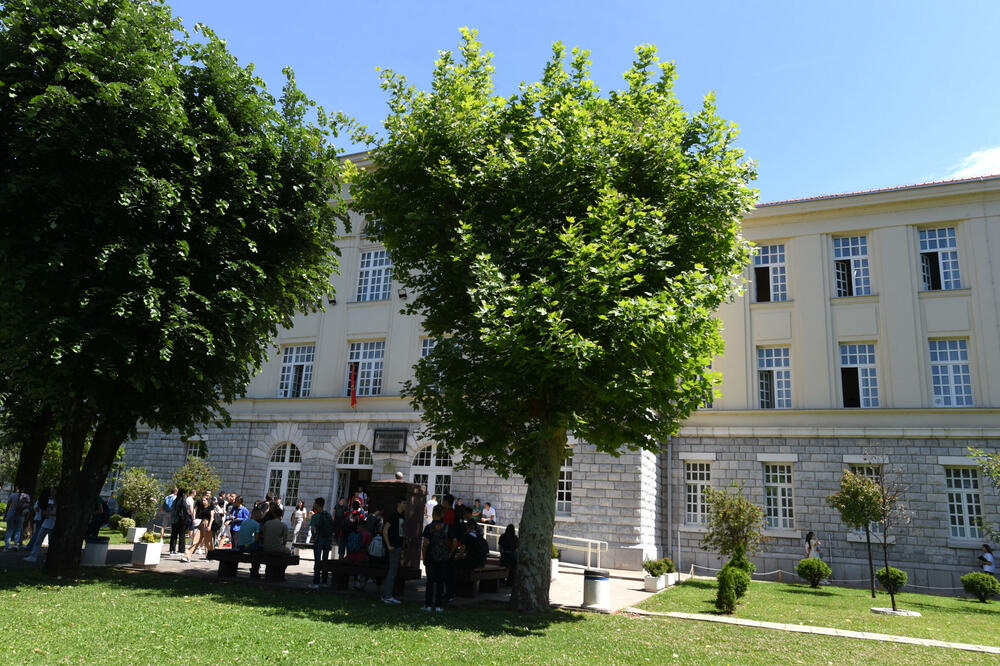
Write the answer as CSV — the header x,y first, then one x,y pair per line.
x,y
481,513
33,521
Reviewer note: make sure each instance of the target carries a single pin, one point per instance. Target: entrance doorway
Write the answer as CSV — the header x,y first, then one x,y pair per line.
x,y
354,468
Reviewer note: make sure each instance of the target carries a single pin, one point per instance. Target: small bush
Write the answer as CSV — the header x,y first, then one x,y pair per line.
x,y
740,561
892,581
3,509
725,598
659,567
981,585
555,552
149,536
813,570
124,524
113,521
741,582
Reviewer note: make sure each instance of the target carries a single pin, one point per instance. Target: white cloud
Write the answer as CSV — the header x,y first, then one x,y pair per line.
x,y
980,163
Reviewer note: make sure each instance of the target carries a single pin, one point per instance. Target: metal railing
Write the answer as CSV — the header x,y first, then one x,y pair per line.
x,y
591,548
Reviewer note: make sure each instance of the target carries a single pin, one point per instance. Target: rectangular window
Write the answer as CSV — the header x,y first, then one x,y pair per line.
x,y
858,378
779,511
375,276
296,371
769,274
873,473
291,496
939,259
365,360
427,346
950,377
774,377
850,260
965,513
274,482
697,477
195,448
564,491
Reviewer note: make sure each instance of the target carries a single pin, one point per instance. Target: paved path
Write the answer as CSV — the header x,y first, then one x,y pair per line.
x,y
823,631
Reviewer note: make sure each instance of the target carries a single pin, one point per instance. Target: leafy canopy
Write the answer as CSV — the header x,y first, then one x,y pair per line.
x,y
139,493
735,524
859,501
198,475
567,249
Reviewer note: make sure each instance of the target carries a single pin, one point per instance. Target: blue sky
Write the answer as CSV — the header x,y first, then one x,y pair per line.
x,y
830,97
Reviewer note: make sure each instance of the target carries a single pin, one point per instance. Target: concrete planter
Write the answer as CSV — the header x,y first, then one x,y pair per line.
x,y
672,578
134,534
655,583
555,569
95,552
146,554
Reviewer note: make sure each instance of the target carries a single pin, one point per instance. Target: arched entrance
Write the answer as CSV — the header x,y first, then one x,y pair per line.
x,y
354,468
432,468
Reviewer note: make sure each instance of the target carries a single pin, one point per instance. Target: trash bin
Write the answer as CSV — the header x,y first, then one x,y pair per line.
x,y
95,552
596,589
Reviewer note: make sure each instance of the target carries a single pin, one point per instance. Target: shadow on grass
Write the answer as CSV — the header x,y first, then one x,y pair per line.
x,y
810,591
489,619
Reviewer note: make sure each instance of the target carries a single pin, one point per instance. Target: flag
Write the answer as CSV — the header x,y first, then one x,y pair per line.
x,y
354,384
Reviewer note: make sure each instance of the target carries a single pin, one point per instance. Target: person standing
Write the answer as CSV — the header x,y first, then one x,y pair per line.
x,y
392,536
48,523
321,529
429,510
15,517
813,546
298,520
40,504
435,551
988,561
180,521
240,515
202,530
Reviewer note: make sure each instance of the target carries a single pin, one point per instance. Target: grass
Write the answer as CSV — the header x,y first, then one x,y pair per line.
x,y
115,536
113,616
960,620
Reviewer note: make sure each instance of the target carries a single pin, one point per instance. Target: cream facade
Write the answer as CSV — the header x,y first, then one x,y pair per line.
x,y
867,337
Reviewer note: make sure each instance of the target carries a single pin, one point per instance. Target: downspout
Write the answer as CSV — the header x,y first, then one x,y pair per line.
x,y
670,496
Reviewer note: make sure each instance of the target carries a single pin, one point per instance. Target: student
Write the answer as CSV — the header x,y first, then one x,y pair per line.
x,y
180,519
321,529
489,514
477,511
988,561
473,549
202,530
240,515
508,544
15,517
429,510
48,524
298,520
813,546
435,551
357,550
40,505
273,533
392,536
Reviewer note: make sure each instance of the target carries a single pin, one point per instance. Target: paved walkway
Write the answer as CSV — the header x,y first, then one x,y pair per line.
x,y
823,631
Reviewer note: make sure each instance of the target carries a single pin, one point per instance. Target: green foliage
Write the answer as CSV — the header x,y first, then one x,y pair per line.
x,y
150,536
981,585
740,560
659,567
859,500
989,465
813,570
124,524
113,521
198,475
893,580
735,524
139,493
555,552
726,597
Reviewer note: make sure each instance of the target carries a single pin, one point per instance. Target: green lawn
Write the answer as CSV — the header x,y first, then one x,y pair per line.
x,y
962,620
115,536
120,617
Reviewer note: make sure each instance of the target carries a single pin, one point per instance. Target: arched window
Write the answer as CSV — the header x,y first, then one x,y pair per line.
x,y
432,468
354,468
284,472
355,455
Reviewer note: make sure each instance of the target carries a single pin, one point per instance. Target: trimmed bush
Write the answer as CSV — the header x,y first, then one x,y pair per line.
x,y
555,552
124,524
114,520
740,561
892,581
3,510
813,570
149,536
980,585
725,598
741,581
659,567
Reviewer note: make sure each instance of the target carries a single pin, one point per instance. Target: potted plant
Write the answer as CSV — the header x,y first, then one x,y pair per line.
x,y
660,574
146,552
555,562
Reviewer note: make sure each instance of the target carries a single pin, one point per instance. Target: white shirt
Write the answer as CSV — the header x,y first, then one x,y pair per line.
x,y
50,521
489,513
429,510
988,565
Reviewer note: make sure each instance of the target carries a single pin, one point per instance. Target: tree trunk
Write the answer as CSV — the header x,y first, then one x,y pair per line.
x,y
885,555
79,489
538,518
32,452
871,563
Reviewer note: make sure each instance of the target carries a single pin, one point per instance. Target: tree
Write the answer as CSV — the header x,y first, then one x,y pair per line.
x,y
859,503
735,526
989,465
567,251
891,513
162,218
197,475
139,494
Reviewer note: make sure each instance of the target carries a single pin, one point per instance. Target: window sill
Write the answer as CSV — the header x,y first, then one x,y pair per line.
x,y
854,537
765,304
565,519
782,534
944,293
693,529
971,544
374,301
865,298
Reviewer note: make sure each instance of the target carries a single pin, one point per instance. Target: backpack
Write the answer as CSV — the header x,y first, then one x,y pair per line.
x,y
376,549
438,549
324,527
481,551
355,542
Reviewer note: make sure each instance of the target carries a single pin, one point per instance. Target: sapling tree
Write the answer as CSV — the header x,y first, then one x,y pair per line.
x,y
139,493
859,503
568,251
735,526
989,465
197,474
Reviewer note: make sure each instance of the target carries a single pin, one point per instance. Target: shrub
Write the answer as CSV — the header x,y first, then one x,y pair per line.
x,y
139,494
149,536
981,585
3,509
113,521
740,561
555,552
813,570
725,598
893,580
741,581
659,567
124,524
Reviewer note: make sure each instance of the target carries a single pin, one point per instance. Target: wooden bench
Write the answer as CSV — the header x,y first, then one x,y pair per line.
x,y
469,582
342,570
229,560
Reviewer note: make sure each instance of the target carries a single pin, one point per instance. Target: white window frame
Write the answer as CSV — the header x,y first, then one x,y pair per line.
x,y
779,496
296,371
195,448
774,377
433,467
564,490
697,477
427,345
368,360
965,502
852,276
951,376
284,473
374,276
771,257
940,268
860,356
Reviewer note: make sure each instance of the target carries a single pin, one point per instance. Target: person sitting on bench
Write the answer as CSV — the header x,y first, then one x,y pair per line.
x,y
473,549
248,541
274,532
